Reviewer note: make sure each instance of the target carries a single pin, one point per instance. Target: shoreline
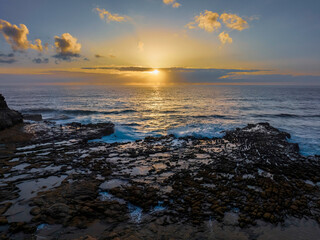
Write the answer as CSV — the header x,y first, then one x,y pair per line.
x,y
250,177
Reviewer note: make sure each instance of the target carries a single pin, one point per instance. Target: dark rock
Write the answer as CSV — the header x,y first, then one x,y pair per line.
x,y
16,227
32,117
3,220
58,210
8,117
266,216
4,207
253,173
45,131
35,211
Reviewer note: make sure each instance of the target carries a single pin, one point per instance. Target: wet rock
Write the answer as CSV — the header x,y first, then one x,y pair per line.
x,y
253,173
3,220
86,238
267,216
4,237
4,207
16,227
46,131
58,210
35,211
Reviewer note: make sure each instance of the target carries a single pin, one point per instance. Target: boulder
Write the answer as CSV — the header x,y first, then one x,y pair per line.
x,y
8,117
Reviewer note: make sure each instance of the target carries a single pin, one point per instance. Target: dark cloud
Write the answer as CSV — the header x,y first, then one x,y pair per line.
x,y
66,57
6,55
98,56
7,58
40,60
8,61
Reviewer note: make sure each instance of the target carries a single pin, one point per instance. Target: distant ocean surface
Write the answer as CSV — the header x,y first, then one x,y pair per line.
x,y
187,110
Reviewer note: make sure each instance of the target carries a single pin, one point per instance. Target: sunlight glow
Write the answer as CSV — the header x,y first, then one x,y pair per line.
x,y
155,72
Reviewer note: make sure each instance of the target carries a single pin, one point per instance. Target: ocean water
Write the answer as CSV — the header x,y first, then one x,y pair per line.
x,y
181,110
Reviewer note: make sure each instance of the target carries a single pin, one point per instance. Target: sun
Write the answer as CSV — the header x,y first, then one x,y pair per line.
x,y
155,72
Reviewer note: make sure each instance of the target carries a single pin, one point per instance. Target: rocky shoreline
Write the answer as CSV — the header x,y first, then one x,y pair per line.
x,y
56,183
58,178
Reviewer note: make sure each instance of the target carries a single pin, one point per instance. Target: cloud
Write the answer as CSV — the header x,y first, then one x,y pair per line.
x,y
141,46
168,2
109,17
17,37
40,60
8,61
225,38
176,5
173,3
6,55
38,45
234,22
100,56
207,21
66,47
7,58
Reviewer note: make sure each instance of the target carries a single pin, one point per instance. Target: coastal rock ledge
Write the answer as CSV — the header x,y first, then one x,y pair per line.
x,y
253,178
8,117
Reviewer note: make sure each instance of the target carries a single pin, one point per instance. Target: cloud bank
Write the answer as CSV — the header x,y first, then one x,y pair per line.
x,y
109,17
7,58
17,37
40,60
67,47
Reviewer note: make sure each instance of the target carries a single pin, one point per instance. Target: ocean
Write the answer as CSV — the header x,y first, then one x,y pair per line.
x,y
201,111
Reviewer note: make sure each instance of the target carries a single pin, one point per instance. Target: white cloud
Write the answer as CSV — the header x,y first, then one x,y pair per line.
x,y
225,38
168,2
234,22
17,36
176,5
173,3
207,21
109,17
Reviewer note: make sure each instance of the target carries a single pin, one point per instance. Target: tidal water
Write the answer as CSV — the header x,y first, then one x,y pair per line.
x,y
179,110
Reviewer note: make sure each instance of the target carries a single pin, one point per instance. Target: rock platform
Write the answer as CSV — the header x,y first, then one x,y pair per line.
x,y
61,182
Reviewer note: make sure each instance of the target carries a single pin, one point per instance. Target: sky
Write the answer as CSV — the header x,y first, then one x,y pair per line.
x,y
160,42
